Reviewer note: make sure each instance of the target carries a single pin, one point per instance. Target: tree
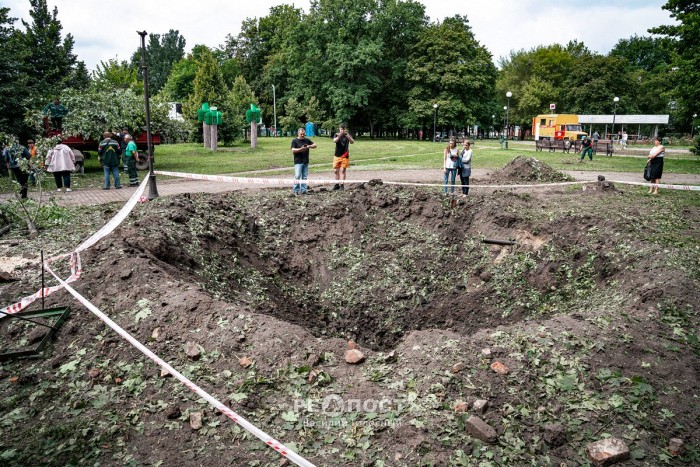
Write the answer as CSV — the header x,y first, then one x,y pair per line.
x,y
13,82
209,87
161,54
537,78
261,53
117,75
180,84
238,100
451,69
685,76
49,60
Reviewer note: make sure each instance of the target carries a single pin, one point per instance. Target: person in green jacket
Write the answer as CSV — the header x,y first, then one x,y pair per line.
x,y
131,157
110,157
55,111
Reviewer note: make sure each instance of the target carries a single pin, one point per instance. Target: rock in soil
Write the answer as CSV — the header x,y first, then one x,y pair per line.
x,y
245,362
192,350
461,407
354,356
480,405
499,368
457,367
196,420
675,446
479,429
607,452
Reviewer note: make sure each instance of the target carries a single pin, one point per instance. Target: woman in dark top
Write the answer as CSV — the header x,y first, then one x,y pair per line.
x,y
656,160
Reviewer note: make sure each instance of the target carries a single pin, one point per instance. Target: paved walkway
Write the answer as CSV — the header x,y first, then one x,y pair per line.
x,y
81,197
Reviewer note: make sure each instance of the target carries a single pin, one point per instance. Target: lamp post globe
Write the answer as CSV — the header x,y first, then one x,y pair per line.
x,y
615,100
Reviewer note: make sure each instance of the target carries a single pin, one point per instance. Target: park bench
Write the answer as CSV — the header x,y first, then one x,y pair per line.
x,y
553,145
603,145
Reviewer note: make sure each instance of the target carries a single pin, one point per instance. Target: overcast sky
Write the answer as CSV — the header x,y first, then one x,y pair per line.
x,y
105,30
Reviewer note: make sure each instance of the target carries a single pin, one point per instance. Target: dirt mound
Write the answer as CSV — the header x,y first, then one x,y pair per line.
x,y
529,169
595,335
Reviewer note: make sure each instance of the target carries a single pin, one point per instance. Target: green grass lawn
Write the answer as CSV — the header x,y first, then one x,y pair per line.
x,y
273,154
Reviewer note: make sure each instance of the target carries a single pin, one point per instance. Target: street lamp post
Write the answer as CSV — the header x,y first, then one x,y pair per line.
x,y
615,100
274,107
152,189
508,95
493,125
692,126
435,106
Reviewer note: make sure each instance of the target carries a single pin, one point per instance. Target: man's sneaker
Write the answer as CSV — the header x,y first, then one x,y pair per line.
x,y
118,187
342,187
59,190
337,187
105,188
68,189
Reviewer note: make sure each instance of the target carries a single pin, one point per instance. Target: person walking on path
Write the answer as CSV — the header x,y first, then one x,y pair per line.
x,y
109,154
623,141
61,162
656,160
450,162
300,148
586,148
11,155
341,159
131,157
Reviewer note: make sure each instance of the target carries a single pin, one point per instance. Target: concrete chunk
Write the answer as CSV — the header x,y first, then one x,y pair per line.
x,y
479,429
607,452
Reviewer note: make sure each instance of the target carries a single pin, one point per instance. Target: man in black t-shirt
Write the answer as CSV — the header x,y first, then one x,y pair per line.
x,y
300,148
342,141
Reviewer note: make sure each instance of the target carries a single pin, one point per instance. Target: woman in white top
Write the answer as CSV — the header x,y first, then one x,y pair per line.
x,y
61,161
656,160
466,171
451,156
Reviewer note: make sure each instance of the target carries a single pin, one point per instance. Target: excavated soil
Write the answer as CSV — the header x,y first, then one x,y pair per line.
x,y
591,303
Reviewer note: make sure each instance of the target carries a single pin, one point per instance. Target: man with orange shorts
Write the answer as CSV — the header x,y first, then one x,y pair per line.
x,y
341,160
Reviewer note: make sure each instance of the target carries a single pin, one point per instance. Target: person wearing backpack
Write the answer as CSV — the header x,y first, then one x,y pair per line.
x,y
110,157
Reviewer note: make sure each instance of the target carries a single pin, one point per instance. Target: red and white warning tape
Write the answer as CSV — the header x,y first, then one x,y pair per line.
x,y
76,270
267,439
290,181
75,254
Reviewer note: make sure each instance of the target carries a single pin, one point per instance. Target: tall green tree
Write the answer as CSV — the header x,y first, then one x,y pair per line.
x,y
115,74
650,63
180,84
451,69
537,78
13,82
50,59
162,52
685,76
262,53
